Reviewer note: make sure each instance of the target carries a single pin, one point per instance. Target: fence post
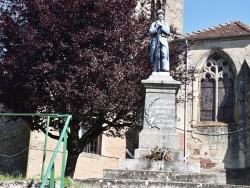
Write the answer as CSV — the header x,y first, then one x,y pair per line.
x,y
45,145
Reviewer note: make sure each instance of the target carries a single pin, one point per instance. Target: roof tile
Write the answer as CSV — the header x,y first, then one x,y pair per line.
x,y
227,29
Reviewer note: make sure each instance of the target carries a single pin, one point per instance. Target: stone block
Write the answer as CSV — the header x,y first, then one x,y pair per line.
x,y
166,176
194,146
160,139
142,164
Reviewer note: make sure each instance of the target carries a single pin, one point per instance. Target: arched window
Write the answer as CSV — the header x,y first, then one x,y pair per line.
x,y
216,91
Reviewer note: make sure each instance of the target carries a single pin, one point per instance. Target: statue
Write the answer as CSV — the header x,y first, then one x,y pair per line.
x,y
159,44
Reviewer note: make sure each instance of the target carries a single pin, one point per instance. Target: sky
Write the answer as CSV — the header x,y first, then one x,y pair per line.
x,y
202,14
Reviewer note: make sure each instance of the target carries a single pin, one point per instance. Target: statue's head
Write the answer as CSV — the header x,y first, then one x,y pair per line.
x,y
160,11
160,14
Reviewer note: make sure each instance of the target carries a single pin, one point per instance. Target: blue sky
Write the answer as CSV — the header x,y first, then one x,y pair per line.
x,y
202,14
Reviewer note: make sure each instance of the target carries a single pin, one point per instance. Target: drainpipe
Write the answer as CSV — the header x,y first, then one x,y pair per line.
x,y
185,106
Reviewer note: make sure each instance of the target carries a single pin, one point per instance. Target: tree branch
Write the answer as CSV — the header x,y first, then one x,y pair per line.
x,y
49,134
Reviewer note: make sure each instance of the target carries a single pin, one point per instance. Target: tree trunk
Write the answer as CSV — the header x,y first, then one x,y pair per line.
x,y
75,146
71,164
73,149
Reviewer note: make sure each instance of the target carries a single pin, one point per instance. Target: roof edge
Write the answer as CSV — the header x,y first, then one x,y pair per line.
x,y
212,38
238,22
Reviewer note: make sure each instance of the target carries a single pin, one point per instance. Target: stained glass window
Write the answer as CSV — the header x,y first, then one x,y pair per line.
x,y
216,91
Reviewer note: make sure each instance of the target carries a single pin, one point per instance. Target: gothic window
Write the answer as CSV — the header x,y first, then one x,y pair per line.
x,y
216,91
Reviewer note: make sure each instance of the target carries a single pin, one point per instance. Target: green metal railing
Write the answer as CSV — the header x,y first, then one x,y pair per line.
x,y
63,137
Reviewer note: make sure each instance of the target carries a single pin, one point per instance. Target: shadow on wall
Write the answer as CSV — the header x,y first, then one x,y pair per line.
x,y
236,165
132,140
246,73
247,177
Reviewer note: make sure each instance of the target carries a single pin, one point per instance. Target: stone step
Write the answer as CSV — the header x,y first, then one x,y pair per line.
x,y
167,166
166,176
128,183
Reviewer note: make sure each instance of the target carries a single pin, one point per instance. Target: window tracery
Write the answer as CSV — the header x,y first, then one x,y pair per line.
x,y
216,91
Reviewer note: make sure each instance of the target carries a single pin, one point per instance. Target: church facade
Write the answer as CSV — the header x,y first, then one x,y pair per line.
x,y
216,115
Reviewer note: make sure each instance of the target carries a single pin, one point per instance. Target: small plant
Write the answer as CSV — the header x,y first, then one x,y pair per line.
x,y
168,156
68,182
157,154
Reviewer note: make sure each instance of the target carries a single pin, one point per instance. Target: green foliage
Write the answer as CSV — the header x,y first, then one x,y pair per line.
x,y
69,182
7,177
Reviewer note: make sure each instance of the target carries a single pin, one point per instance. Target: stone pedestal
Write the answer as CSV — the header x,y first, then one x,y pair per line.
x,y
159,129
159,116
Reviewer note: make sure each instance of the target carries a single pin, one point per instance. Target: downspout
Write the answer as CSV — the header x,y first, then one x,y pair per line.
x,y
185,104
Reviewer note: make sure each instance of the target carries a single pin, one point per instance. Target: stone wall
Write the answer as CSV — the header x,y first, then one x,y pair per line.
x,y
113,147
217,151
174,14
21,152
88,165
216,145
92,165
14,144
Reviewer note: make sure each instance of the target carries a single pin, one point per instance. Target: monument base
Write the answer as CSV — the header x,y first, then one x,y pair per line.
x,y
164,140
160,139
165,166
159,128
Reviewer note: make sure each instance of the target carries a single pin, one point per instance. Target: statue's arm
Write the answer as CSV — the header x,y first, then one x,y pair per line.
x,y
152,29
165,29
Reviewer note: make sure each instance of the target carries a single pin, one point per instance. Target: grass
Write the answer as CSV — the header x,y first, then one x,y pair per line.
x,y
7,177
68,182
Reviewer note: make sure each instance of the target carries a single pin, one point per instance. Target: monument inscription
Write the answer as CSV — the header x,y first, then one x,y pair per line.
x,y
160,113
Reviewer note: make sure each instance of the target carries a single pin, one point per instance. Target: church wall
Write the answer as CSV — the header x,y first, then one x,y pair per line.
x,y
174,14
173,11
248,125
200,52
209,143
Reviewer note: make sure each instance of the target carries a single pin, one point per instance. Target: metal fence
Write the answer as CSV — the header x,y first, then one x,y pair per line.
x,y
63,138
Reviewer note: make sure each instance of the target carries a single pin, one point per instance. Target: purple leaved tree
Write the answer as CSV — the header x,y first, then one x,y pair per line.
x,y
85,58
